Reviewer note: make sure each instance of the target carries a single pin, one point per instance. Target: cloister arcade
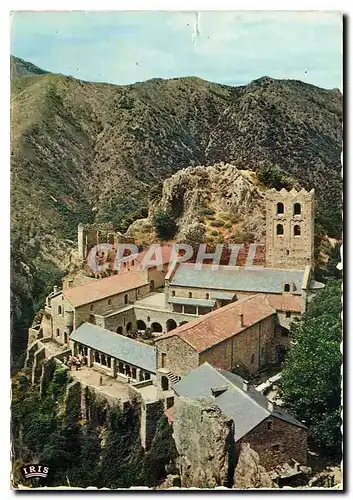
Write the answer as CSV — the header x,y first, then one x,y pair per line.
x,y
115,367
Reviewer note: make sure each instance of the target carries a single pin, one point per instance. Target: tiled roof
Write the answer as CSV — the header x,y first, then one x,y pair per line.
x,y
223,323
166,251
284,302
116,346
247,408
235,278
104,287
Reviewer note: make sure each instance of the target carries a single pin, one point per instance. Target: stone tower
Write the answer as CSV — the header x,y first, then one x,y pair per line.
x,y
290,228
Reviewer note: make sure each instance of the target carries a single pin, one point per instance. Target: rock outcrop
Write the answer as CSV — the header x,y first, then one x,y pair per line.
x,y
208,200
249,473
204,438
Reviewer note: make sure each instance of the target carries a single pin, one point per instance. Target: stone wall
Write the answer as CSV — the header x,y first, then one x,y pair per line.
x,y
120,319
83,313
277,442
204,439
252,348
151,412
180,357
59,320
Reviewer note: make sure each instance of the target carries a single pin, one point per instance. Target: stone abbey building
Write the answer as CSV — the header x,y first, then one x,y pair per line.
x,y
234,318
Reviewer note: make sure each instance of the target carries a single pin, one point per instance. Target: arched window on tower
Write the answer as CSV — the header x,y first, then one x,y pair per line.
x,y
297,209
296,230
280,208
280,230
287,287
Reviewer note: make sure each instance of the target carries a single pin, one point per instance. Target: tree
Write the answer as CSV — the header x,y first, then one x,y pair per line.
x,y
272,176
164,225
311,378
120,466
161,453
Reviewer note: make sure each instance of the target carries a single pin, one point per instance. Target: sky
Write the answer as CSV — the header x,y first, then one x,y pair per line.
x,y
229,47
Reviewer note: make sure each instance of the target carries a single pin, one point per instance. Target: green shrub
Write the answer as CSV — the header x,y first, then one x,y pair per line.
x,y
273,176
214,232
217,223
206,211
228,225
164,225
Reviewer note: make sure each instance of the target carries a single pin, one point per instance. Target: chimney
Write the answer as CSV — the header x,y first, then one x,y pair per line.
x,y
55,288
270,406
245,385
241,319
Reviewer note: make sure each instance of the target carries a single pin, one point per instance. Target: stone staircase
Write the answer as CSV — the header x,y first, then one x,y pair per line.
x,y
173,379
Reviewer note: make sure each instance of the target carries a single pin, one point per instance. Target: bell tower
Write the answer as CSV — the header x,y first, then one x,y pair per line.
x,y
290,228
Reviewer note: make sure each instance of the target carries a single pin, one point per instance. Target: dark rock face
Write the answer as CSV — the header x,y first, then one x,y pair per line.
x,y
204,439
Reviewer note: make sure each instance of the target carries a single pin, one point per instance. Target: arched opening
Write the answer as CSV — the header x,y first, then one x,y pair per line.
x,y
96,357
121,367
280,208
141,376
147,376
165,383
287,287
156,327
207,296
109,362
59,310
91,307
141,325
57,332
65,337
190,295
170,325
109,302
183,323
133,373
297,209
126,298
296,230
173,293
119,330
128,371
104,361
279,230
129,326
152,286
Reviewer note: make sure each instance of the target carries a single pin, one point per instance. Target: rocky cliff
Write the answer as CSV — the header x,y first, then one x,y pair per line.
x,y
213,204
204,439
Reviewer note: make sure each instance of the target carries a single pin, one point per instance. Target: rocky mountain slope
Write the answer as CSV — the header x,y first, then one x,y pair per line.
x,y
20,67
89,152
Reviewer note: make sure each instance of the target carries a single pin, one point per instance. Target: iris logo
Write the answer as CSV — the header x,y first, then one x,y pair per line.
x,y
34,470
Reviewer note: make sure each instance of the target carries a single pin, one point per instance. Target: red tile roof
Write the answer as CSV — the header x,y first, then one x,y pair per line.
x,y
166,251
223,323
104,287
285,302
